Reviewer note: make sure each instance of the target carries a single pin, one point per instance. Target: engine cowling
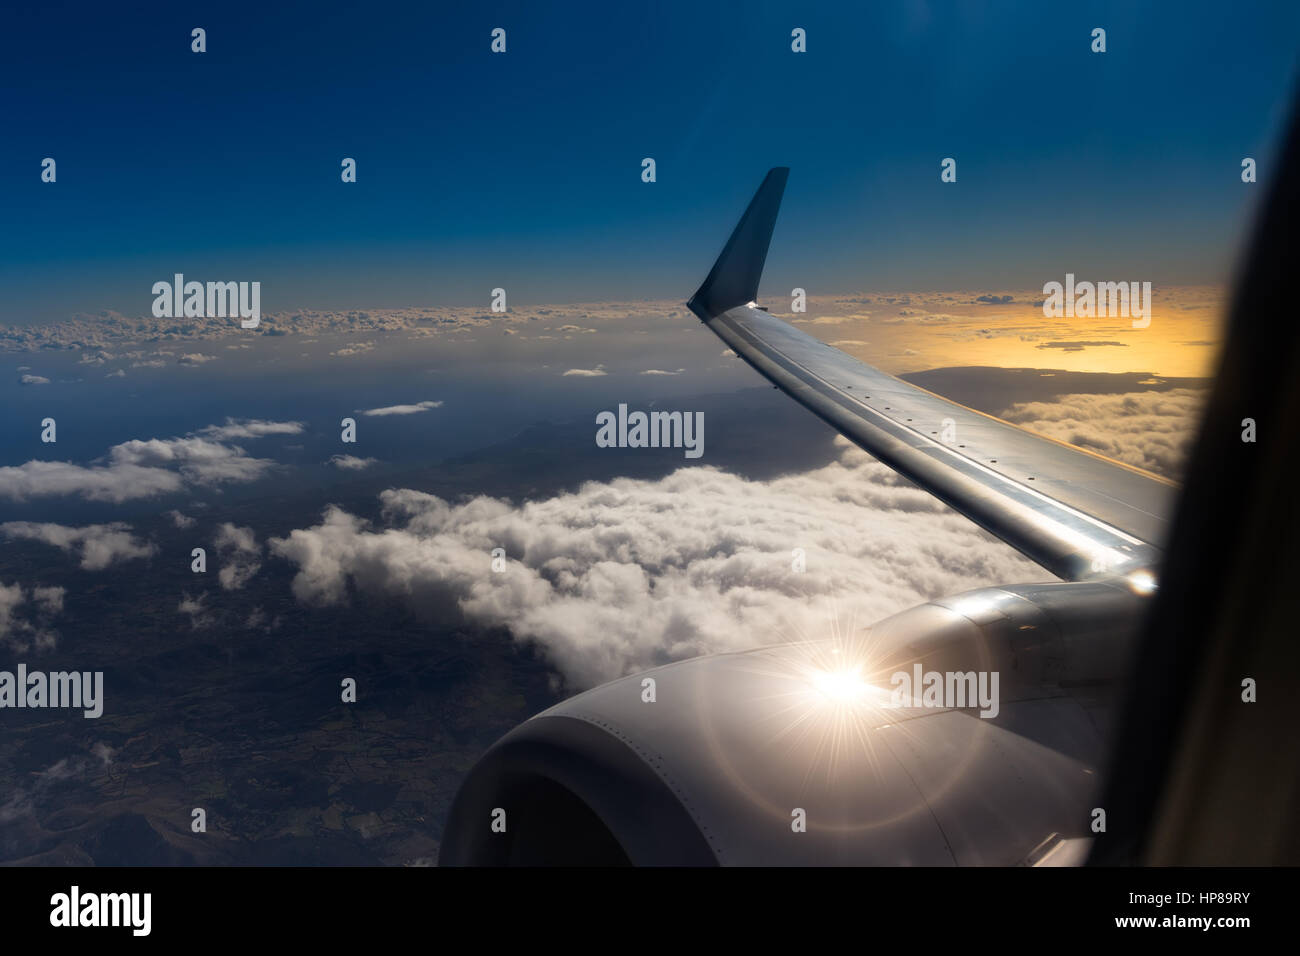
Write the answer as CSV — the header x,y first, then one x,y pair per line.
x,y
814,754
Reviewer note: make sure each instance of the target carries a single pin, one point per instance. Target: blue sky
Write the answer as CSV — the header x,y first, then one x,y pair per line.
x,y
523,170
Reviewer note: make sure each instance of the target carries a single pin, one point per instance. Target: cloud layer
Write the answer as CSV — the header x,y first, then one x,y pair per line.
x,y
145,468
1151,430
628,574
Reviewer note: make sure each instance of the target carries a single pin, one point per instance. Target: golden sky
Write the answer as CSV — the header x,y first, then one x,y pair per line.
x,y
908,332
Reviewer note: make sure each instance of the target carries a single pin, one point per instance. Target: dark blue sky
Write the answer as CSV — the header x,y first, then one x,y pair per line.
x,y
523,170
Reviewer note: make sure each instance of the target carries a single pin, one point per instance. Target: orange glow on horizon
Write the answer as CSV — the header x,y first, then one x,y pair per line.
x,y
918,332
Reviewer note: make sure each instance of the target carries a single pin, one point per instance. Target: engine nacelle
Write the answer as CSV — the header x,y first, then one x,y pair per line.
x,y
816,753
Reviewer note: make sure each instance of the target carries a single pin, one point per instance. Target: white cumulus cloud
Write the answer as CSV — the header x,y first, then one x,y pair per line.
x,y
198,460
628,574
351,462
143,468
249,428
99,546
240,553
115,483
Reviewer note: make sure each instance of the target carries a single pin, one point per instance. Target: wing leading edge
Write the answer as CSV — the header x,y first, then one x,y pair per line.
x,y
1077,514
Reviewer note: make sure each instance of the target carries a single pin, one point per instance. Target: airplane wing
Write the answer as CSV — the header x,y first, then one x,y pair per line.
x,y
1078,514
727,750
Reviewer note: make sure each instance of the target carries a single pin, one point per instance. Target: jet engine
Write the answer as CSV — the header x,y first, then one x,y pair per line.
x,y
965,731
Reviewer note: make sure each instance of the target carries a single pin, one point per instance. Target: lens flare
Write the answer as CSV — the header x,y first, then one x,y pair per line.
x,y
1142,582
821,707
840,687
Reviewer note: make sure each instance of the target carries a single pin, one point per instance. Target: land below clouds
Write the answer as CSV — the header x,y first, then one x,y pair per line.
x,y
235,707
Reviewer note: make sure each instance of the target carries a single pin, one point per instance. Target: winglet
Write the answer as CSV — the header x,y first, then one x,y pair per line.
x,y
734,278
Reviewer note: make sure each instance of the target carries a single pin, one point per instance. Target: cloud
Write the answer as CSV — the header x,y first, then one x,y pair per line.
x,y
199,460
99,545
257,620
120,373
832,319
915,317
354,348
115,483
935,324
34,380
1151,430
145,468
238,548
195,608
658,371
628,574
21,631
1077,346
585,373
249,428
402,409
23,799
351,462
180,520
196,358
